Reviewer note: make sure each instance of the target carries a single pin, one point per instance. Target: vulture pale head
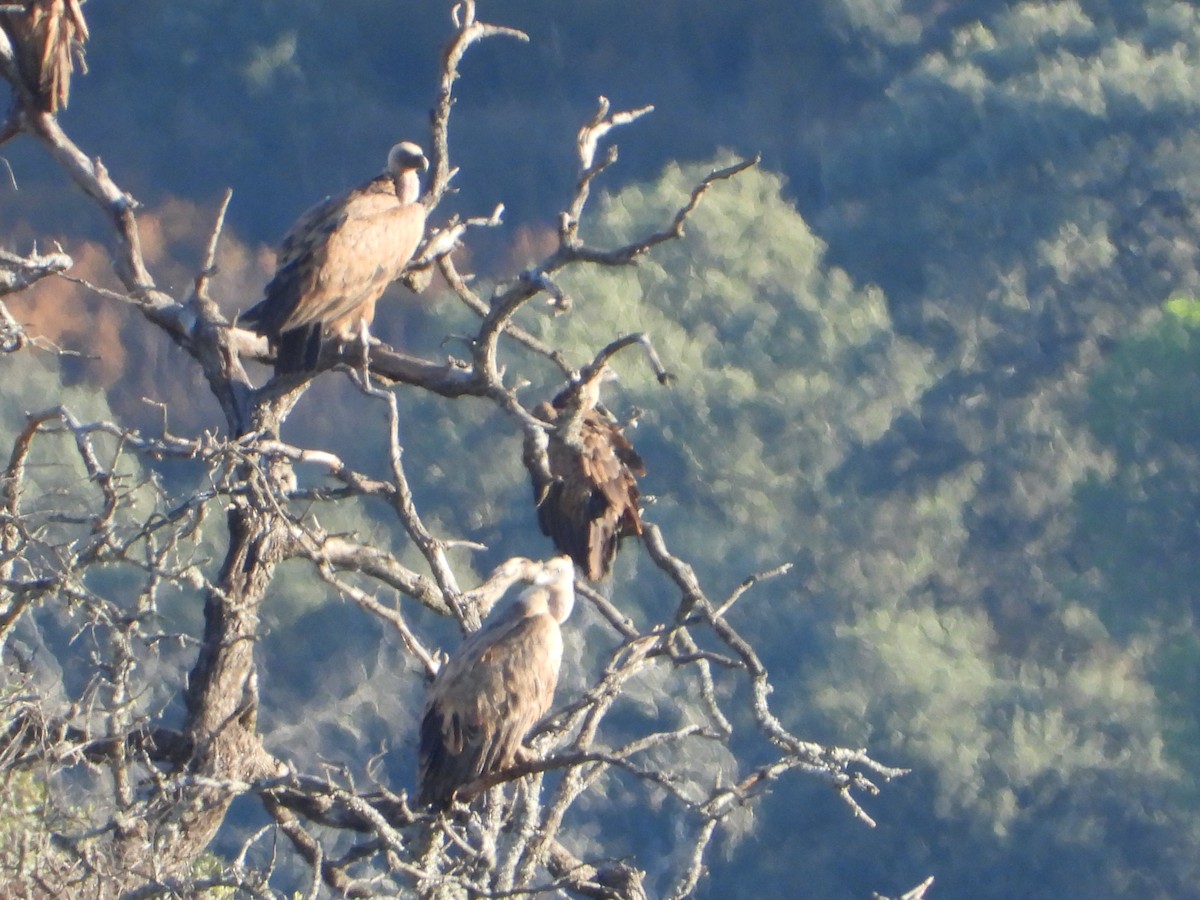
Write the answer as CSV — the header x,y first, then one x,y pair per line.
x,y
495,688
406,156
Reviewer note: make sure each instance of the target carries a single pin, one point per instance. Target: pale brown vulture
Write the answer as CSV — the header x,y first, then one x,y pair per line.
x,y
337,260
592,501
47,39
495,688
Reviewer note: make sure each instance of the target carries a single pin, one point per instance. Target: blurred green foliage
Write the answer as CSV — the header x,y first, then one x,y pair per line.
x,y
1138,517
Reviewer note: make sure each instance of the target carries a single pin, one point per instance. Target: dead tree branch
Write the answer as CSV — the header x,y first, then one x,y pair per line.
x,y
162,726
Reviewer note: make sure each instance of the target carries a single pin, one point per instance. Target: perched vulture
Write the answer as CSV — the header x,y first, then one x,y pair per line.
x,y
338,259
47,39
593,500
495,688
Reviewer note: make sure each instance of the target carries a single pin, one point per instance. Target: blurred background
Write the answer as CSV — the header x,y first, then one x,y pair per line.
x,y
939,351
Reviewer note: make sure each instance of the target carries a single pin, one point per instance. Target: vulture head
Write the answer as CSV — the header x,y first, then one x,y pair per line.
x,y
406,156
404,161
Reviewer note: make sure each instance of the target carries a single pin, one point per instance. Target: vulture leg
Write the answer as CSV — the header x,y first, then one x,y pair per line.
x,y
366,341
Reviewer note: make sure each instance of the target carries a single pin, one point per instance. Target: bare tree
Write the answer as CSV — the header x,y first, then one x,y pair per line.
x,y
137,764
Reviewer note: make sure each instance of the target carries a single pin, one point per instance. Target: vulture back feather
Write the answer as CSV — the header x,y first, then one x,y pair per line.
x,y
47,39
495,688
338,259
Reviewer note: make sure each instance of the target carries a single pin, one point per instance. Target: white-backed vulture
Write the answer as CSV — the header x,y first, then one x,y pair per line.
x,y
495,688
47,39
592,501
337,260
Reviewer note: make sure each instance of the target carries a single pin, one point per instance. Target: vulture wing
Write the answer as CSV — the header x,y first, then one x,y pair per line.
x,y
47,38
341,256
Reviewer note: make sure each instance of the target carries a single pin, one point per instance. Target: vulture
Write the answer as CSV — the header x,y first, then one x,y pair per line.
x,y
337,260
495,688
47,40
592,501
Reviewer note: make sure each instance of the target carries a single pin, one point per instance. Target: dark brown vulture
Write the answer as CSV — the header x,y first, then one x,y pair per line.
x,y
47,39
338,259
497,686
593,500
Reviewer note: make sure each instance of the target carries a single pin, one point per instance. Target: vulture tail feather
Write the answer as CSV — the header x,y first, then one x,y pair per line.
x,y
299,349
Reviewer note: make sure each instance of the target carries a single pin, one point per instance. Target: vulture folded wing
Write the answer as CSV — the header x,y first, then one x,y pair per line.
x,y
352,254
47,38
294,267
565,514
625,452
611,464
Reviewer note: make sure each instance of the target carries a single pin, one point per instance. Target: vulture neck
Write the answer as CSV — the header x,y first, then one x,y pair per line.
x,y
561,601
408,187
